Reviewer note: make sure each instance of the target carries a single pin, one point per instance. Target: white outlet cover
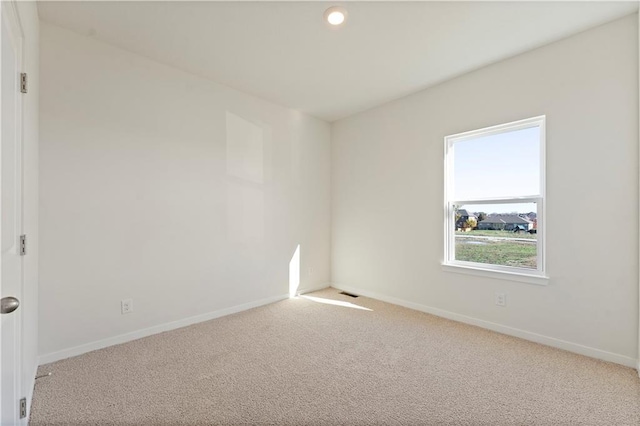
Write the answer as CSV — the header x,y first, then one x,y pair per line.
x,y
501,299
126,306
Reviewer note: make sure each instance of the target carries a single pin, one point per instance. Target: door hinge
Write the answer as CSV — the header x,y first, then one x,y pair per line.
x,y
23,408
23,82
23,245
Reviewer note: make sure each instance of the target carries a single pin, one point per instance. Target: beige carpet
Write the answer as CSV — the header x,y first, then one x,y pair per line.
x,y
303,362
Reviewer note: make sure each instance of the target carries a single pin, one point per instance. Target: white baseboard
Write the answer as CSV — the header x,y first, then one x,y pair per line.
x,y
527,335
134,335
523,334
311,289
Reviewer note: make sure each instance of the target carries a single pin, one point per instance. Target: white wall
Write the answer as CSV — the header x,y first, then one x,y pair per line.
x,y
28,15
156,185
387,194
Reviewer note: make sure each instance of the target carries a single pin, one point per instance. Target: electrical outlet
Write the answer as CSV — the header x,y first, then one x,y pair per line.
x,y
127,306
501,299
310,271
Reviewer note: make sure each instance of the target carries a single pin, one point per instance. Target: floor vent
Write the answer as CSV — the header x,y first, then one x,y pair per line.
x,y
348,294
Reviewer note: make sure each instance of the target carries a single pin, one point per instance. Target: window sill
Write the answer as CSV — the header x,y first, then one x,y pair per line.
x,y
501,275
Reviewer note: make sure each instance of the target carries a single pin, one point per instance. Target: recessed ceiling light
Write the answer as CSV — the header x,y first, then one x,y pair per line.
x,y
335,15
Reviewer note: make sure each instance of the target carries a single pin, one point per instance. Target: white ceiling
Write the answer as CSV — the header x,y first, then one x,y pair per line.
x,y
285,53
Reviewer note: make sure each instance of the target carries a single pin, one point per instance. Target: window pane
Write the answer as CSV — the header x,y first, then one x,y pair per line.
x,y
502,165
497,234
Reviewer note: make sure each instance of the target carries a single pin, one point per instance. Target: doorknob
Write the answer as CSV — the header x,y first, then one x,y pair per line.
x,y
8,305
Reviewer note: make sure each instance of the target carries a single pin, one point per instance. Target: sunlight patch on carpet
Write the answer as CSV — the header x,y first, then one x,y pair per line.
x,y
335,302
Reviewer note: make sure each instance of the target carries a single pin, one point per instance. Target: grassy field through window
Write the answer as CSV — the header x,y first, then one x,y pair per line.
x,y
498,248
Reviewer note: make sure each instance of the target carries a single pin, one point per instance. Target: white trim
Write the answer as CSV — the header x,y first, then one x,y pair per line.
x,y
500,128
134,335
14,20
541,216
11,19
522,277
449,202
32,386
523,334
503,200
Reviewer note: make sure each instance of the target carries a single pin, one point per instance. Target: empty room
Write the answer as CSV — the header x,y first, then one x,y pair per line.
x,y
319,213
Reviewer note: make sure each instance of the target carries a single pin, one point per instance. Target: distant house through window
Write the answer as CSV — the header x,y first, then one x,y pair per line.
x,y
494,198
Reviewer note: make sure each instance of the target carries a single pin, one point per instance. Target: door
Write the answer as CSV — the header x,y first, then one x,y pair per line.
x,y
11,208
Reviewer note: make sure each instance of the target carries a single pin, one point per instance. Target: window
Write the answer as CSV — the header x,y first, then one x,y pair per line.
x,y
494,199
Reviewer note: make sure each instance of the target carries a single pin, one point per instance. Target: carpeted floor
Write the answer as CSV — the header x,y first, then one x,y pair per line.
x,y
305,362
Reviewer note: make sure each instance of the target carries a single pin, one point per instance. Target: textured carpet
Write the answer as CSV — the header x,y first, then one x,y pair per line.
x,y
305,362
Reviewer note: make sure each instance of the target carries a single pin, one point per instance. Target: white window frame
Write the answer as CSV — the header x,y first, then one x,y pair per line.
x,y
534,276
